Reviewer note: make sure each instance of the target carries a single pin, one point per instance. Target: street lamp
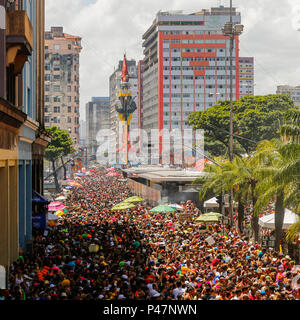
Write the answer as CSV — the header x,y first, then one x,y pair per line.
x,y
231,31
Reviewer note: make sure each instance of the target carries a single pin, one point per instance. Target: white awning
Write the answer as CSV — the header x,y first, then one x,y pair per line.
x,y
268,221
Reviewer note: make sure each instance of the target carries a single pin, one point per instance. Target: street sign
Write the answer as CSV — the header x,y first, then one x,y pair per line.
x,y
2,278
268,242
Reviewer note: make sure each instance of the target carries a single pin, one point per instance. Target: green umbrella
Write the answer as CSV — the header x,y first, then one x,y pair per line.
x,y
134,199
123,206
162,209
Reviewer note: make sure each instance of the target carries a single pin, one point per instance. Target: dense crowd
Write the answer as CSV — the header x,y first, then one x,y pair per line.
x,y
95,253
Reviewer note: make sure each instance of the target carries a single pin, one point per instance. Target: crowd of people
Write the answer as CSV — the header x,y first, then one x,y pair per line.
x,y
98,254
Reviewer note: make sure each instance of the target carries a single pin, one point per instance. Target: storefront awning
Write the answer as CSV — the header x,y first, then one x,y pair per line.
x,y
37,198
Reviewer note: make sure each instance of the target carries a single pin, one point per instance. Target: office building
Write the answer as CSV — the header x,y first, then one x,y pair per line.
x,y
97,119
186,69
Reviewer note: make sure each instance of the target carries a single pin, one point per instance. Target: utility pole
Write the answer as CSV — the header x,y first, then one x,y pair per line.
x,y
231,31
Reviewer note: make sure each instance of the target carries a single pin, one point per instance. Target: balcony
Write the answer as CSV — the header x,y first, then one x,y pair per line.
x,y
19,39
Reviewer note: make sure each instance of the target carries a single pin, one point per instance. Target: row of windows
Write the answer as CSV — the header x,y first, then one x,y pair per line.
x,y
196,59
193,50
193,32
56,109
198,77
198,68
57,120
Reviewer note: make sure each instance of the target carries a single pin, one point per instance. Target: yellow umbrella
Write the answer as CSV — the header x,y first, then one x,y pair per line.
x,y
59,213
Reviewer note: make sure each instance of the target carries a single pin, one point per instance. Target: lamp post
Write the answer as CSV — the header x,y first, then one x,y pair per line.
x,y
231,31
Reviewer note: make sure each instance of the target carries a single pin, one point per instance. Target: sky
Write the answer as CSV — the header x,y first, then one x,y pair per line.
x,y
111,27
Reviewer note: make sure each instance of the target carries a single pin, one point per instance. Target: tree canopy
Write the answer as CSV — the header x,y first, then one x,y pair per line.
x,y
255,118
61,144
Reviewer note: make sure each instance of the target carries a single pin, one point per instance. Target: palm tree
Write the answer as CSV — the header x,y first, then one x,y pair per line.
x,y
290,172
270,187
239,175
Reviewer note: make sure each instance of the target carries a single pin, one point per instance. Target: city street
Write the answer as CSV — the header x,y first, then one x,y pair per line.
x,y
96,253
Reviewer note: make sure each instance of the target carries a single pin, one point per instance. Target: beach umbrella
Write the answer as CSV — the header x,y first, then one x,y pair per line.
x,y
61,198
74,183
52,217
176,206
209,217
134,199
80,174
162,209
123,206
59,213
55,206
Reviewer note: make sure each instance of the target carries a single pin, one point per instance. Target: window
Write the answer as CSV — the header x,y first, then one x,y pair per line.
x,y
69,109
56,88
69,88
47,119
56,109
56,99
56,47
47,87
69,120
69,47
47,99
69,99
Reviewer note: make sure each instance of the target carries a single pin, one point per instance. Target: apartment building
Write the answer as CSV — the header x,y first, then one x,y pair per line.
x,y
186,69
23,138
246,76
294,92
62,86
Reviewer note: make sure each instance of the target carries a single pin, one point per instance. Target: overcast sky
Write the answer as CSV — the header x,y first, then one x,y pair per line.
x,y
110,27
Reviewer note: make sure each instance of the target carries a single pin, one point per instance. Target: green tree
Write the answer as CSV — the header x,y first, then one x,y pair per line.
x,y
290,172
272,161
240,175
255,119
61,144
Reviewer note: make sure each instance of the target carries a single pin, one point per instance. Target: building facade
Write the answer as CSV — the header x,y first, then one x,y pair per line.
x,y
97,118
23,138
62,95
246,76
116,127
186,69
294,92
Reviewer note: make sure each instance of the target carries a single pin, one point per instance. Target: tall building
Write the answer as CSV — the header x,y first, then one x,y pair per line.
x,y
294,92
97,118
23,138
62,95
117,132
82,132
186,69
246,76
